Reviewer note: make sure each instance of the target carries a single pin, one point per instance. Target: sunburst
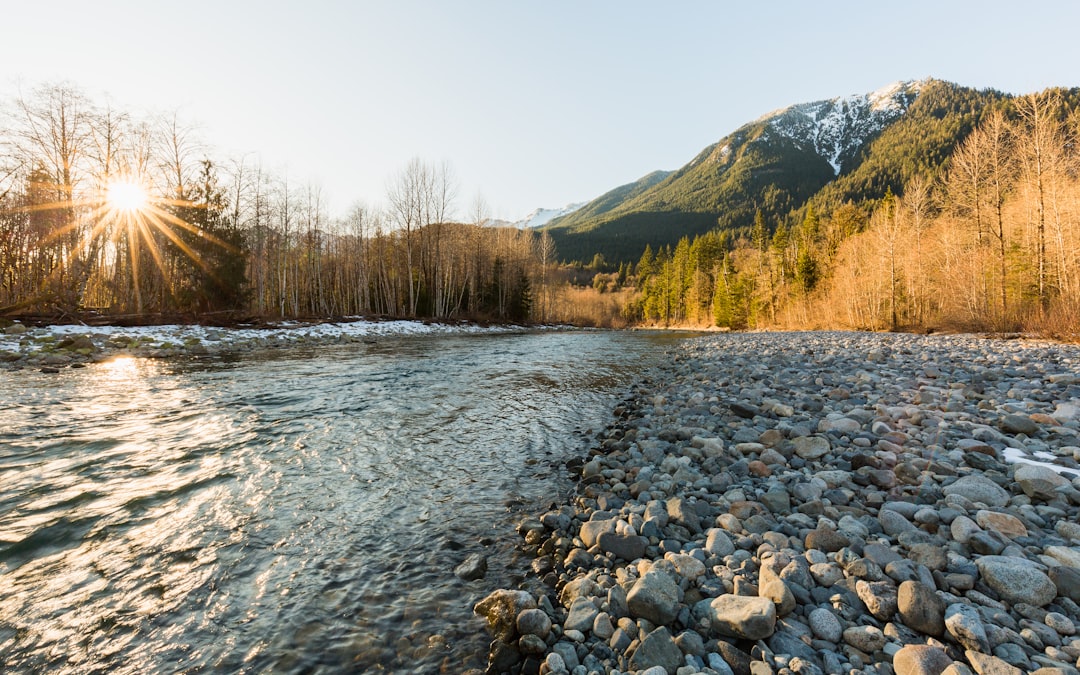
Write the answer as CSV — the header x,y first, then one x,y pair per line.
x,y
126,207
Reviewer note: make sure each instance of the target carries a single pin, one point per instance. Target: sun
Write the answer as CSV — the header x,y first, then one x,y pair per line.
x,y
126,196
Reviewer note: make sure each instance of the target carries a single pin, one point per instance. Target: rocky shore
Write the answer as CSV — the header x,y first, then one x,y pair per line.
x,y
52,348
816,503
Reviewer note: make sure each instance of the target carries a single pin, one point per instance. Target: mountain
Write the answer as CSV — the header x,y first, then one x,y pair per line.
x,y
541,217
846,148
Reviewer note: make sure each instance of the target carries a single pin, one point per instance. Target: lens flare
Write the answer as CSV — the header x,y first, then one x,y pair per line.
x,y
126,196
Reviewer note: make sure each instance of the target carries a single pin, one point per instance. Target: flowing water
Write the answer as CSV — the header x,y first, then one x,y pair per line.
x,y
297,511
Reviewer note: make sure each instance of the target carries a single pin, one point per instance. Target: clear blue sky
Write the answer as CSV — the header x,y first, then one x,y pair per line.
x,y
533,103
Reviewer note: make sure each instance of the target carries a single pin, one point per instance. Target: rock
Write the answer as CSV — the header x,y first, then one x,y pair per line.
x,y
750,618
1066,412
657,649
1067,556
686,566
920,660
811,447
718,543
501,608
778,592
591,531
1018,424
829,541
534,622
625,546
1016,580
15,329
879,597
474,567
681,512
825,625
893,523
978,489
531,645
1002,523
1067,582
921,608
867,639
1039,482
581,616
654,597
933,557
984,664
966,627
963,529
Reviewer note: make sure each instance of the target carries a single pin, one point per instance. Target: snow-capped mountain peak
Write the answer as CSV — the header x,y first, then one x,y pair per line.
x,y
836,128
541,216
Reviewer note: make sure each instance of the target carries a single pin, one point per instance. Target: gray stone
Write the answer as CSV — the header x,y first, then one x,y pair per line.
x,y
1017,580
568,652
474,567
920,660
1067,582
867,639
718,543
1040,482
966,627
1018,424
534,622
921,608
581,616
751,618
879,597
978,489
893,523
776,590
654,597
681,512
591,530
657,649
602,626
825,625
531,644
629,547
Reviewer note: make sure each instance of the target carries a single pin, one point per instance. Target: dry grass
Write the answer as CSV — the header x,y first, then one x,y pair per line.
x,y
585,306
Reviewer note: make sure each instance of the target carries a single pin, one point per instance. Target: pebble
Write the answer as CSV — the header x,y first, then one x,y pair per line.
x,y
829,503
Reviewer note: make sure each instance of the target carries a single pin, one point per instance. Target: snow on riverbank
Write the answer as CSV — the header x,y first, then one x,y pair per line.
x,y
54,346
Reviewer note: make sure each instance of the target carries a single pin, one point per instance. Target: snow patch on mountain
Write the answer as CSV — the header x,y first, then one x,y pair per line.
x,y
541,217
838,127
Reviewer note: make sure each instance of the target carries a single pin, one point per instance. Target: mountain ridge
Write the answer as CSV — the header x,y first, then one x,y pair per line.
x,y
778,164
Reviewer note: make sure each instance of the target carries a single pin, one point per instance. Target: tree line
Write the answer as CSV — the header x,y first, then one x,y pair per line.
x,y
230,235
992,242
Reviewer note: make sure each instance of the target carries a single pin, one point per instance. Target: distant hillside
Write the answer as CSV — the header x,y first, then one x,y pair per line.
x,y
853,147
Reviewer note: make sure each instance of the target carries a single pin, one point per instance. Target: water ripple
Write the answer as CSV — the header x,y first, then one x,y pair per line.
x,y
300,511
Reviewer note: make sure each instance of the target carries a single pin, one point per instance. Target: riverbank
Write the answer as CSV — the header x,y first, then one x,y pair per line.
x,y
53,347
817,503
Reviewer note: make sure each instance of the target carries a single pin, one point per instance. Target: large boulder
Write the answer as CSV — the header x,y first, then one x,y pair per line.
x,y
1017,580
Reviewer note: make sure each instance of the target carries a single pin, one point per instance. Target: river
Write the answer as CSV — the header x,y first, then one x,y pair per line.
x,y
296,511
